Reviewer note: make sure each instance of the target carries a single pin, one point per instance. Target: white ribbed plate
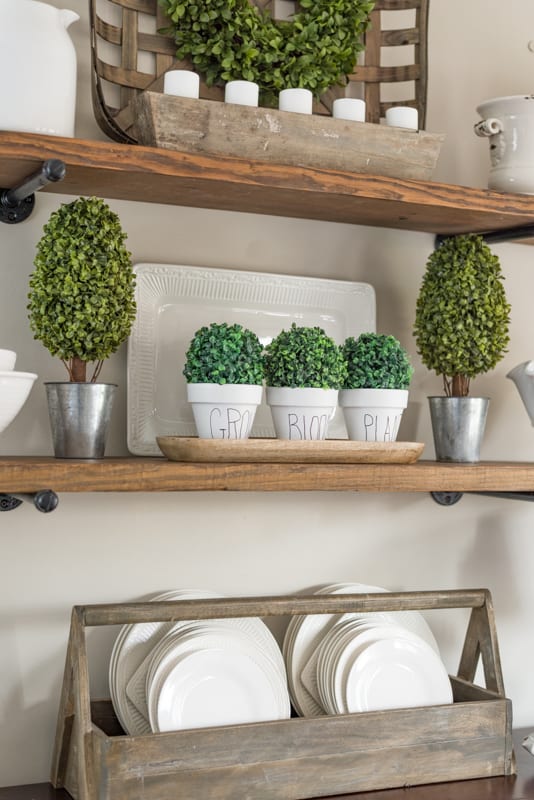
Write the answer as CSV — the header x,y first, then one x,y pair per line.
x,y
175,301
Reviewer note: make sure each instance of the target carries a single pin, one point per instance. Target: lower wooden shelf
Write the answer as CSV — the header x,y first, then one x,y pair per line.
x,y
508,787
136,474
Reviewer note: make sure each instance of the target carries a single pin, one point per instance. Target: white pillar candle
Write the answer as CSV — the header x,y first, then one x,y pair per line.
x,y
243,93
298,100
349,108
402,117
182,83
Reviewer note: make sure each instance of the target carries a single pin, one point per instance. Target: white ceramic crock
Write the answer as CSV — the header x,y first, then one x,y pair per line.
x,y
508,123
38,65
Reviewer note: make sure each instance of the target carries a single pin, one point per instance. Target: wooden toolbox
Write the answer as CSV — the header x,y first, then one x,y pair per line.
x,y
290,759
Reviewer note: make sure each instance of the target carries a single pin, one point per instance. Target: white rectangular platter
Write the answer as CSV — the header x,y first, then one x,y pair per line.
x,y
175,301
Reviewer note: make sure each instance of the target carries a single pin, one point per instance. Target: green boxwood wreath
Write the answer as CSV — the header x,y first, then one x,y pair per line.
x,y
232,40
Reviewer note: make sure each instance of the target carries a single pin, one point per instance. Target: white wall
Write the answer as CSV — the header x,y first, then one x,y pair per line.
x,y
115,547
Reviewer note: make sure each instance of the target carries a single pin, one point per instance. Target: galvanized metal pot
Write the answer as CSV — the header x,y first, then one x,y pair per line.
x,y
79,417
458,425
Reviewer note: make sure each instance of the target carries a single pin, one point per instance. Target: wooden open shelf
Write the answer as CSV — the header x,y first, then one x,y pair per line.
x,y
131,172
33,474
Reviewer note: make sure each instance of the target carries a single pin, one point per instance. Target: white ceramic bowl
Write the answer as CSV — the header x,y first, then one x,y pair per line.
x,y
14,390
7,360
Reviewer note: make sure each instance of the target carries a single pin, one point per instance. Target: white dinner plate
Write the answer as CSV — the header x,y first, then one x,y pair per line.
x,y
135,643
131,647
174,301
396,673
313,673
304,633
215,679
254,628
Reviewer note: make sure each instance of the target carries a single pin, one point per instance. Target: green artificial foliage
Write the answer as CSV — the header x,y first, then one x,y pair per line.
x,y
304,357
81,299
223,353
376,361
462,315
231,39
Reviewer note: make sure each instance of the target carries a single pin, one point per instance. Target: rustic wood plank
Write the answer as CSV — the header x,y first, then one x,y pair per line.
x,y
165,611
397,38
371,68
29,474
421,58
506,787
129,172
397,5
128,50
308,757
465,691
481,642
65,719
85,767
376,74
227,129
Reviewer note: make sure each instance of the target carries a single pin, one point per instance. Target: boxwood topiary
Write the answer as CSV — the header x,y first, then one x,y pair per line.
x,y
223,353
229,39
82,291
304,357
462,315
376,361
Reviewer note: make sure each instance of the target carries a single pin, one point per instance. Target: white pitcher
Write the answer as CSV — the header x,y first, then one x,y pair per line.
x,y
523,377
38,68
508,122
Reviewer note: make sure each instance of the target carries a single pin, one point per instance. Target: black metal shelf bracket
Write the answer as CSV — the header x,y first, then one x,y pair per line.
x,y
451,498
17,204
496,237
446,498
45,501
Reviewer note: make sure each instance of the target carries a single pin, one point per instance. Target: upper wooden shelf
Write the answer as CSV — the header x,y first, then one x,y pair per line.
x,y
131,172
33,474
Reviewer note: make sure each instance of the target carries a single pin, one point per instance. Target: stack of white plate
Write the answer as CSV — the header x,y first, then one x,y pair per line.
x,y
194,674
339,664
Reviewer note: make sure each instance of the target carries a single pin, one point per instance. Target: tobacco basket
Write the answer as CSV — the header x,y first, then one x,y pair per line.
x,y
129,56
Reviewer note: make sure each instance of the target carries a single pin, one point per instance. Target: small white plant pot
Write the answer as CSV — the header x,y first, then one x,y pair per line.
x,y
224,411
301,413
373,415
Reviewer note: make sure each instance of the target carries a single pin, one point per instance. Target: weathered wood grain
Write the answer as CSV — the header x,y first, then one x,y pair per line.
x,y
297,758
328,451
154,175
28,474
166,611
302,760
226,129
